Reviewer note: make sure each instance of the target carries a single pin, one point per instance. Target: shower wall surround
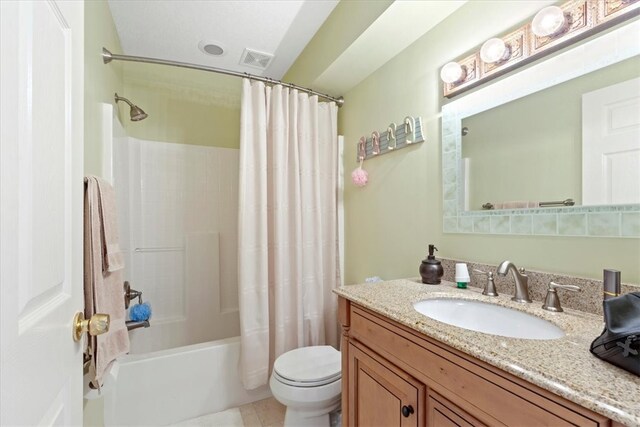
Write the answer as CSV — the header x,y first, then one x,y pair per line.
x,y
178,216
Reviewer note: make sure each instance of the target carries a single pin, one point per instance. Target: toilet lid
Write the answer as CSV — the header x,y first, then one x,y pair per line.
x,y
309,365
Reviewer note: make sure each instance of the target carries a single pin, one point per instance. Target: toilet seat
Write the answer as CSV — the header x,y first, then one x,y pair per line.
x,y
308,366
316,383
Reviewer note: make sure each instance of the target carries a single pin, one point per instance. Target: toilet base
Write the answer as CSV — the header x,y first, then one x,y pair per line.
x,y
308,382
297,418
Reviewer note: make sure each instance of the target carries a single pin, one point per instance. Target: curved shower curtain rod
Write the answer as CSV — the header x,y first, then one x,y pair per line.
x,y
107,57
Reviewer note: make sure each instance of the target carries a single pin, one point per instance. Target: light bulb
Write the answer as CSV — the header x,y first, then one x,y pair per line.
x,y
494,50
452,72
548,22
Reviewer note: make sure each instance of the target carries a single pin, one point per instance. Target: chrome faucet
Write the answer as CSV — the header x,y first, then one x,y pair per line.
x,y
521,279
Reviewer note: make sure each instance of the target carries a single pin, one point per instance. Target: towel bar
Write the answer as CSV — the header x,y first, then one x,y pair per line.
x,y
566,202
160,249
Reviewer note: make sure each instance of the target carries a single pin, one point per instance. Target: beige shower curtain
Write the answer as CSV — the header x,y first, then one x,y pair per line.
x,y
287,226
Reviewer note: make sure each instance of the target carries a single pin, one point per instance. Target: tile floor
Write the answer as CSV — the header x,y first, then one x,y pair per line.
x,y
228,418
263,413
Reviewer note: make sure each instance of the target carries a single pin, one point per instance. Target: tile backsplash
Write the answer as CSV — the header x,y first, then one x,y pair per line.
x,y
588,300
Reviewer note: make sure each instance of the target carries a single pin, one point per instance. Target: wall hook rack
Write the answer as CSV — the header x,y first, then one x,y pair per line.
x,y
407,134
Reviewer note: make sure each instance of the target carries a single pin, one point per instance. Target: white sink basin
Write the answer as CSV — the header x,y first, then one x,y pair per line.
x,y
488,318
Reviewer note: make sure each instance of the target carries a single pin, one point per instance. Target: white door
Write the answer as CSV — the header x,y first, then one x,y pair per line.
x,y
41,188
611,144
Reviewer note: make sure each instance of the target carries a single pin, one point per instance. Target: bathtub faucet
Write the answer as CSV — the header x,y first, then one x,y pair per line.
x,y
130,295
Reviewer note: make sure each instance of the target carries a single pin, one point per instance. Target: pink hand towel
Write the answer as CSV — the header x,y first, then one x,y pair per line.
x,y
515,205
103,282
112,257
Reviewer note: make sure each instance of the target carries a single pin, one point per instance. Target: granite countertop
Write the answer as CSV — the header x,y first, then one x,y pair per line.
x,y
563,366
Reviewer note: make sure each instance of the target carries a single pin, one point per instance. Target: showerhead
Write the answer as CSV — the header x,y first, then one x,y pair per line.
x,y
136,113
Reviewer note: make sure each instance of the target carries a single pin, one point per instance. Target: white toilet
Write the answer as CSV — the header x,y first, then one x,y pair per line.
x,y
308,382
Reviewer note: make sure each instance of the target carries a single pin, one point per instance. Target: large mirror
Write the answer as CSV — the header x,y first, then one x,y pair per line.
x,y
546,146
553,149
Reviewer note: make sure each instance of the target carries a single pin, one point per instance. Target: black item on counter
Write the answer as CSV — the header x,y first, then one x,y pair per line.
x,y
431,269
619,343
611,283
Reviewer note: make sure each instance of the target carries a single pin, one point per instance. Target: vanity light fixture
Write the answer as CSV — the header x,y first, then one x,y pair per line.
x,y
549,22
551,29
453,72
494,50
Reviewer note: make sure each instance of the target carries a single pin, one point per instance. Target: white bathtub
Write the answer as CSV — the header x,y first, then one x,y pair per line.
x,y
169,386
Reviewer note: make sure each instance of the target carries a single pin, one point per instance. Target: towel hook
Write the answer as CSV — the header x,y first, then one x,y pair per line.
x,y
391,136
362,148
375,142
409,130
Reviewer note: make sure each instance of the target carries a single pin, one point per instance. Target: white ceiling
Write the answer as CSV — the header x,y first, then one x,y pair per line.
x,y
172,29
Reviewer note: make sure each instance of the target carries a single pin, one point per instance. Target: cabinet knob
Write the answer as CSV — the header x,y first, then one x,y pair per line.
x,y
407,410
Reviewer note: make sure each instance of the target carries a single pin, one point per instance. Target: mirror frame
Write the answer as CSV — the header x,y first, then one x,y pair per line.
x,y
601,221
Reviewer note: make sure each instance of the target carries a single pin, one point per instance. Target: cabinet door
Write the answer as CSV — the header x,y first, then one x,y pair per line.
x,y
442,413
381,394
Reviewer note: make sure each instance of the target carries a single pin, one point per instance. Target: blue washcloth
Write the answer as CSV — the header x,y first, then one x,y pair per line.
x,y
140,312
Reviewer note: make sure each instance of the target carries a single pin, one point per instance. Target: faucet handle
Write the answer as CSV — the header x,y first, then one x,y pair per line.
x,y
523,271
489,286
574,288
552,302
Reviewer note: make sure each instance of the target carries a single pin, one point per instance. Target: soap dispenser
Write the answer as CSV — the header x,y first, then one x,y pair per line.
x,y
431,269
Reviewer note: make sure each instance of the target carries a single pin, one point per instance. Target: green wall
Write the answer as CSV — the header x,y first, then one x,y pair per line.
x,y
531,148
100,81
390,222
184,106
344,25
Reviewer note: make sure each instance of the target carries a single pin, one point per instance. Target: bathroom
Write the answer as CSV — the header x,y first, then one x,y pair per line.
x,y
385,59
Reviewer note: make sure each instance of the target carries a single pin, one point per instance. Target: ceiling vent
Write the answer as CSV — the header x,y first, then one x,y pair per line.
x,y
256,59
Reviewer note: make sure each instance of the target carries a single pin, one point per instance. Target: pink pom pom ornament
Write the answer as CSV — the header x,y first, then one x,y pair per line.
x,y
360,177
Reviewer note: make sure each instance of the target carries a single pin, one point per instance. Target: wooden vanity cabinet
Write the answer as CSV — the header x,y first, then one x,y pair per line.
x,y
442,413
395,376
382,395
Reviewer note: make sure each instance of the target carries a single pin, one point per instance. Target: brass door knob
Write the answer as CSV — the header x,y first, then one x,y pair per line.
x,y
97,325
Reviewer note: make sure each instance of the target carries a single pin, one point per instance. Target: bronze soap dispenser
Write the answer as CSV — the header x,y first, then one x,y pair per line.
x,y
431,269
